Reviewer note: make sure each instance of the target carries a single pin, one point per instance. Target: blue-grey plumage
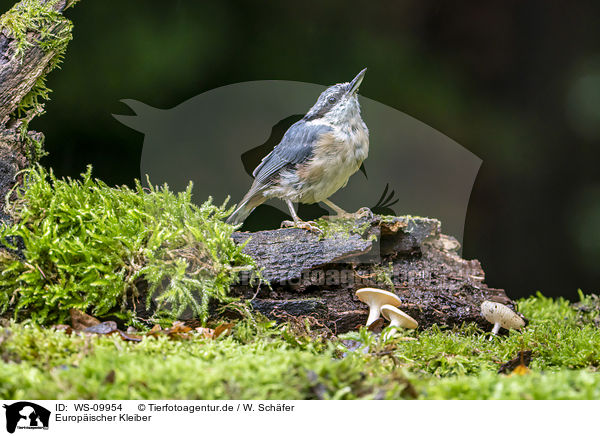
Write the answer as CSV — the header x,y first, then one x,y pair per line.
x,y
316,156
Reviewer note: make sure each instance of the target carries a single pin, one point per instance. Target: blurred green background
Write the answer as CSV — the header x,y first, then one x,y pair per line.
x,y
517,83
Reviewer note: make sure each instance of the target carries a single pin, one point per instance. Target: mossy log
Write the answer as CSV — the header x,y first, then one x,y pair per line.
x,y
33,38
317,276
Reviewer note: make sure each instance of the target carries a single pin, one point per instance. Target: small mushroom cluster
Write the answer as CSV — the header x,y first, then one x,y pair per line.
x,y
385,303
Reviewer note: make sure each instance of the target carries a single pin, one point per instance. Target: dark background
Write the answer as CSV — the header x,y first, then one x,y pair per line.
x,y
517,83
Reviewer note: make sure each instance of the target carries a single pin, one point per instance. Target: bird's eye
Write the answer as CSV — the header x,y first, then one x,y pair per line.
x,y
331,100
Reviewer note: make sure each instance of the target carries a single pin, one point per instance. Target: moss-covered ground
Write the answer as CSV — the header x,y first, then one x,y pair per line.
x,y
95,248
261,360
82,245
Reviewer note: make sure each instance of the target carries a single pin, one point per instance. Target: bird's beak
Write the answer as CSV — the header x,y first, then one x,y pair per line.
x,y
356,82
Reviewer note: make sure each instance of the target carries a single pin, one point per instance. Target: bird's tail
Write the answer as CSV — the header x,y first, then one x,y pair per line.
x,y
245,208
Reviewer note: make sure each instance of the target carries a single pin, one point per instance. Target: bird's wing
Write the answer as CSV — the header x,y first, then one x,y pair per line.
x,y
295,147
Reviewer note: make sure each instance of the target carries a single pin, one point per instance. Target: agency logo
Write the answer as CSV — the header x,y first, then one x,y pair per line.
x,y
26,415
217,139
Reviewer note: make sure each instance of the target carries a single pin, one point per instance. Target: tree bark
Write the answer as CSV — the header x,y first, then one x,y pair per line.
x,y
19,73
318,276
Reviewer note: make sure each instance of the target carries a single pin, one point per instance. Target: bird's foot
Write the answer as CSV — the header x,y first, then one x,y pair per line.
x,y
364,212
311,226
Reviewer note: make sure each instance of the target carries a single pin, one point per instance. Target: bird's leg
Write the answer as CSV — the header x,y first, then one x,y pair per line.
x,y
298,223
341,213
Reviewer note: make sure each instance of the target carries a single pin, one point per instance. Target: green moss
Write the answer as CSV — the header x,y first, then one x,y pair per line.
x,y
93,248
199,369
261,360
412,221
561,385
332,226
384,273
388,218
31,22
33,143
53,30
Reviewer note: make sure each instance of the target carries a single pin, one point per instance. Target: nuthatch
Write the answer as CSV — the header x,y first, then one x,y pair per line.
x,y
316,156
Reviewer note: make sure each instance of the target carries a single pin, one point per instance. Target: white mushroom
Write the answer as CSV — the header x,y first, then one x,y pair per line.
x,y
501,316
397,318
375,298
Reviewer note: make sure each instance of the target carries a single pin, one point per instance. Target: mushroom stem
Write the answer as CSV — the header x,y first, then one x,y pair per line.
x,y
394,323
389,334
495,329
374,314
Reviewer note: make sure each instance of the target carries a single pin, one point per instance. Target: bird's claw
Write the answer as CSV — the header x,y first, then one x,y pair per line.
x,y
311,226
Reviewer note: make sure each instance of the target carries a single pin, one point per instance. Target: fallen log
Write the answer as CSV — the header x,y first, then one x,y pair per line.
x,y
317,275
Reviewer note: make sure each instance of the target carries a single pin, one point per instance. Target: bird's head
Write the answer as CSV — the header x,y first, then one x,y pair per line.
x,y
338,104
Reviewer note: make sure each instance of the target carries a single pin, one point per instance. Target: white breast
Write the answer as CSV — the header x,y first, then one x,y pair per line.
x,y
332,164
337,163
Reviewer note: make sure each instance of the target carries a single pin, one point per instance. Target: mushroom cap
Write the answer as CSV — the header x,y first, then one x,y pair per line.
x,y
501,314
371,295
390,312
